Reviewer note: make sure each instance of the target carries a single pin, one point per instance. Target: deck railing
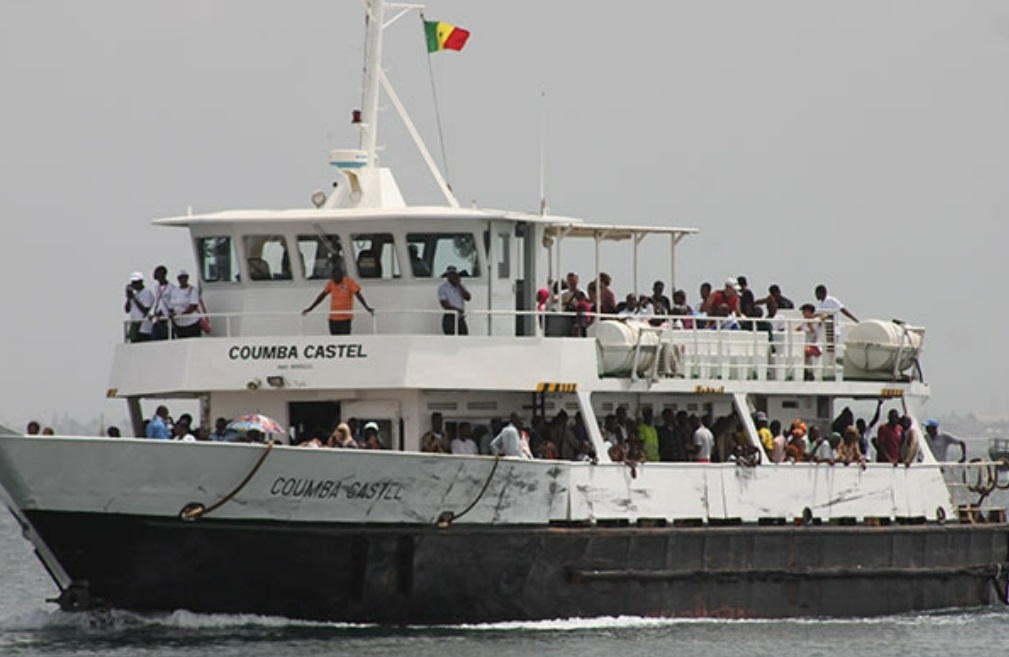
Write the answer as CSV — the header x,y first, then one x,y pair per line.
x,y
685,347
979,489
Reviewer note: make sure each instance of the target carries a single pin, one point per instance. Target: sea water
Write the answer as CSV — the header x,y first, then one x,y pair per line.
x,y
31,627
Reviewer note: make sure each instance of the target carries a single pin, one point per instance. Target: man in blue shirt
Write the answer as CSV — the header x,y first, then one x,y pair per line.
x,y
158,426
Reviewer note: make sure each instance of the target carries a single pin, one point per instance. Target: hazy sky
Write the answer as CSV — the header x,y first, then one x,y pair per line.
x,y
862,144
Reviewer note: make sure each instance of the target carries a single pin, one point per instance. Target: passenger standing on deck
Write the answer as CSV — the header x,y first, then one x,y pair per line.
x,y
940,442
747,304
342,290
464,443
453,295
220,433
607,300
705,292
184,306
812,328
563,437
888,439
649,435
829,304
728,295
509,441
435,441
341,438
910,442
669,450
158,425
660,302
703,439
777,442
850,450
162,294
371,438
139,302
774,295
763,432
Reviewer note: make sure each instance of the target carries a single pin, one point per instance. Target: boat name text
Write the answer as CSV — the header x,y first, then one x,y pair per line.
x,y
292,352
337,488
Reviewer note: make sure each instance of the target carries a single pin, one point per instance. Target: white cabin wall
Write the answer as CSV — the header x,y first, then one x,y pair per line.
x,y
392,297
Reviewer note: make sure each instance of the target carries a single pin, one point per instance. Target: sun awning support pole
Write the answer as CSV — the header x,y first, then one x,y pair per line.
x,y
637,240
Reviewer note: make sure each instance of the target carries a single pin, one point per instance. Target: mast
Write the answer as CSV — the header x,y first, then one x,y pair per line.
x,y
375,19
367,184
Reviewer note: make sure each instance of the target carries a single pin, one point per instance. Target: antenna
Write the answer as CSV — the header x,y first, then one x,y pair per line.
x,y
543,153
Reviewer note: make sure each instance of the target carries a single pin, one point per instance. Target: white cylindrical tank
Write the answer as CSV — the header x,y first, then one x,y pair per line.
x,y
879,346
617,342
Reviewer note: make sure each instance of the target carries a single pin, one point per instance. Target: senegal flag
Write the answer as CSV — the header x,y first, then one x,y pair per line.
x,y
442,36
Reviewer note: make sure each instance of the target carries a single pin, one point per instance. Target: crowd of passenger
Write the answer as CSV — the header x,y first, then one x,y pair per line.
x,y
677,436
178,311
734,306
165,309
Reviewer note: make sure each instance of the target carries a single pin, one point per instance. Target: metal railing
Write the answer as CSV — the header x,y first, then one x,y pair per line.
x,y
702,347
980,488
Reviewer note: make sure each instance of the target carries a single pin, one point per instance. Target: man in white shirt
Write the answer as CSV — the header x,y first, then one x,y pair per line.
x,y
824,450
184,307
453,295
463,443
831,305
161,310
139,302
940,442
509,441
703,440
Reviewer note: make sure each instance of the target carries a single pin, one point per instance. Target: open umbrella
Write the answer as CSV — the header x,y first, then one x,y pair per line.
x,y
256,422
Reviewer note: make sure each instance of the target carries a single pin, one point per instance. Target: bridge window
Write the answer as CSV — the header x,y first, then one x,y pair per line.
x,y
317,253
267,258
432,253
218,262
375,255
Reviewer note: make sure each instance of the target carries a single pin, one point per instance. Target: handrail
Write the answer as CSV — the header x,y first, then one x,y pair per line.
x,y
670,322
755,348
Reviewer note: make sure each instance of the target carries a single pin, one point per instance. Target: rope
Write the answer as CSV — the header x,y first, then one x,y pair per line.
x,y
446,518
437,114
195,510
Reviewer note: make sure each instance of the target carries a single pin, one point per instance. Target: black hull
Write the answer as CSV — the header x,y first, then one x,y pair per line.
x,y
461,574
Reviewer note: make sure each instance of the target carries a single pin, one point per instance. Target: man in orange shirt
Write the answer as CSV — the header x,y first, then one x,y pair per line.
x,y
341,289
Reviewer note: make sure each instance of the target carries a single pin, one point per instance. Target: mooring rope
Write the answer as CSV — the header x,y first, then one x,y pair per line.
x,y
446,518
195,510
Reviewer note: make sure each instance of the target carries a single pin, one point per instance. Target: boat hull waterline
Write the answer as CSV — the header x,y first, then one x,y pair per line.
x,y
471,574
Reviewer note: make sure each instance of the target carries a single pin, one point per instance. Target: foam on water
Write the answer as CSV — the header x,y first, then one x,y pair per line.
x,y
110,622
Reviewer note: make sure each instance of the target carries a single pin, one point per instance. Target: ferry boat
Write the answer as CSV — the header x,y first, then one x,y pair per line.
x,y
397,535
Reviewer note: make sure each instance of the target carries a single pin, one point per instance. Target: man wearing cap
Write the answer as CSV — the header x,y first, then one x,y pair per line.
x,y
183,308
371,439
453,295
728,295
763,432
940,442
139,302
